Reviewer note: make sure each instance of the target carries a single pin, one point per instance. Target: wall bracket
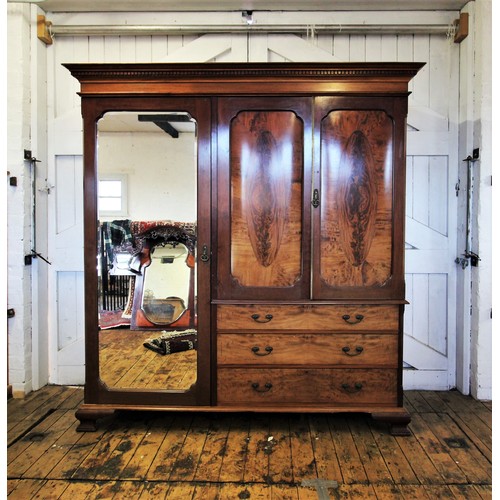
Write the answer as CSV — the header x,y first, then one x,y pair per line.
x,y
43,30
461,26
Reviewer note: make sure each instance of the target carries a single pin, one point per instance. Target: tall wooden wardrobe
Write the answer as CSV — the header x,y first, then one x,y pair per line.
x,y
300,193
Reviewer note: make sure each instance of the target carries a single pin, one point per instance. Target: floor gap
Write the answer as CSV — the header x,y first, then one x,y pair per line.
x,y
31,427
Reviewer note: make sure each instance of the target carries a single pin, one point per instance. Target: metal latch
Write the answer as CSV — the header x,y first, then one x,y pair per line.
x,y
315,200
468,256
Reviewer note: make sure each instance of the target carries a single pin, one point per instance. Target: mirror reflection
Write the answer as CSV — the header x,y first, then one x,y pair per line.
x,y
146,250
166,284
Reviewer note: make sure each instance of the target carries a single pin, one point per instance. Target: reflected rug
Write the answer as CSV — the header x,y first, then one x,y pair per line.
x,y
172,342
112,319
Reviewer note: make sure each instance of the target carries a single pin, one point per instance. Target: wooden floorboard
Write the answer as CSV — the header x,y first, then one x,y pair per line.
x,y
126,363
257,456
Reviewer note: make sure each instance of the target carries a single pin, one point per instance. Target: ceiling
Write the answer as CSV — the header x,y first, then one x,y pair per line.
x,y
238,5
130,122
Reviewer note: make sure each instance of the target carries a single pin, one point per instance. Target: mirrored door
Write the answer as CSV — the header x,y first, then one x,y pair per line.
x,y
147,239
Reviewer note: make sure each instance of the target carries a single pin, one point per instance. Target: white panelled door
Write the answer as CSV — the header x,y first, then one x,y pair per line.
x,y
431,175
67,270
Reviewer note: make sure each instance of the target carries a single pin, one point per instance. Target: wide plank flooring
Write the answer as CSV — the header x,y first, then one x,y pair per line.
x,y
248,456
125,363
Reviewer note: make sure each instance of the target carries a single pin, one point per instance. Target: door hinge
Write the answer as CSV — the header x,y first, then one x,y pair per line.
x,y
28,259
28,156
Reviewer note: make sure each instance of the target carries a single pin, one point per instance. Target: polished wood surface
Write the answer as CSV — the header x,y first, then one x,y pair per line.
x,y
301,181
358,229
367,350
244,78
356,209
95,391
263,207
344,318
292,386
266,154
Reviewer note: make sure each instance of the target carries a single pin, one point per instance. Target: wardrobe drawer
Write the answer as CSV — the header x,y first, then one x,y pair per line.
x,y
307,349
308,317
284,386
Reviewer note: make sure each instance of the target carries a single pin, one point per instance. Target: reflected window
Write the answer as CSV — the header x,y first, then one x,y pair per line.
x,y
112,196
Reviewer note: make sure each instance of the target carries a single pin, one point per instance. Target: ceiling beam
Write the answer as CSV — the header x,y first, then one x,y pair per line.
x,y
163,122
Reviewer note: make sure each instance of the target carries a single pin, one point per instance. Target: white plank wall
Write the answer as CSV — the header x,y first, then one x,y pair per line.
x,y
432,167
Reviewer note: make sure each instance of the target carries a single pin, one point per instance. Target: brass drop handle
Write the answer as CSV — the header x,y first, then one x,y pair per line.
x,y
358,319
347,351
267,387
256,349
205,257
357,387
267,318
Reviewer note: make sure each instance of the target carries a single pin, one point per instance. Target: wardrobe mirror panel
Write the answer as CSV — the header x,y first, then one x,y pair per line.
x,y
146,252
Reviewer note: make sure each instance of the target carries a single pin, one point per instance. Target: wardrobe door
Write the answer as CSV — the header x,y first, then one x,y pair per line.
x,y
162,147
263,198
359,217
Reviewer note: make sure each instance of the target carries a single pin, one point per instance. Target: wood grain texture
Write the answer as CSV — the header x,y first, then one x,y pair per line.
x,y
343,318
356,200
322,386
125,363
307,349
266,198
267,136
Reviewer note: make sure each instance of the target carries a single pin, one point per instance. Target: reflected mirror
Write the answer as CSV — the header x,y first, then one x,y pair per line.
x,y
147,209
166,284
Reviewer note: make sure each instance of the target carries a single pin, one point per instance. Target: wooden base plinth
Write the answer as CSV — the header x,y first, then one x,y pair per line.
x,y
397,418
88,417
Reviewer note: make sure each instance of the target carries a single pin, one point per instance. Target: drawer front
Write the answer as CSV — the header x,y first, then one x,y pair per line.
x,y
272,386
368,350
308,317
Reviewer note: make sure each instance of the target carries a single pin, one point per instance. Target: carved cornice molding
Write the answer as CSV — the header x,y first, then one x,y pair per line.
x,y
218,71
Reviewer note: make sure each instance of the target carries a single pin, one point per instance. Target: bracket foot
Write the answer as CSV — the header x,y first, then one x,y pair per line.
x,y
398,421
88,417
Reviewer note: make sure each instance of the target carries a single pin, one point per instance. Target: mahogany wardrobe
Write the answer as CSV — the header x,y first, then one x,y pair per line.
x,y
271,199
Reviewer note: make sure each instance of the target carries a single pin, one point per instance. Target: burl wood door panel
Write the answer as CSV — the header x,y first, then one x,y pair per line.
x,y
355,220
264,181
356,209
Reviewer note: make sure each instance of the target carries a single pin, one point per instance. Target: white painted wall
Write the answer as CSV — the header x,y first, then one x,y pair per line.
x,y
26,129
474,287
18,198
160,171
481,331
